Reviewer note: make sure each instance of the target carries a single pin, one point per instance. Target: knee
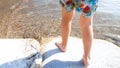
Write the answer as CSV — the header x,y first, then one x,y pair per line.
x,y
67,19
85,23
67,16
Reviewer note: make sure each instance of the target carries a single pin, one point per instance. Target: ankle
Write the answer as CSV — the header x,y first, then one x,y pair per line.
x,y
87,57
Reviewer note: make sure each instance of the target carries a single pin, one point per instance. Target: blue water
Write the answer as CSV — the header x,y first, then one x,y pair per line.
x,y
106,6
109,6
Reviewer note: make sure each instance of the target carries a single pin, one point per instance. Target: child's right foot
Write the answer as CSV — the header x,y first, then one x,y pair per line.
x,y
59,45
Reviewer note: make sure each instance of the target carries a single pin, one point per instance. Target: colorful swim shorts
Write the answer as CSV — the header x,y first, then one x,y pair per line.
x,y
86,7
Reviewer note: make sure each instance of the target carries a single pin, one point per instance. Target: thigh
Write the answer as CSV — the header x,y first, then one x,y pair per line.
x,y
68,9
67,15
86,22
86,17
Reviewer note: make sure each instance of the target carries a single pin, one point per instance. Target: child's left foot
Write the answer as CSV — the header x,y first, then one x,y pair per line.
x,y
86,60
60,46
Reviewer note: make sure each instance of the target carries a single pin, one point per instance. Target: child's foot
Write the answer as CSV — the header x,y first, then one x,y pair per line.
x,y
86,60
59,45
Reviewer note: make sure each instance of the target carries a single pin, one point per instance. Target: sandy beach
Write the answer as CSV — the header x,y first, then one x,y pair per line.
x,y
34,20
7,7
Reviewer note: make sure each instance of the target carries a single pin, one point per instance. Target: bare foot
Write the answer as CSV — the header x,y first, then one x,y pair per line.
x,y
86,60
60,46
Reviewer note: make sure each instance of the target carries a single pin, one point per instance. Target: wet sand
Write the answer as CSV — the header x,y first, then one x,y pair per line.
x,y
6,9
7,6
32,20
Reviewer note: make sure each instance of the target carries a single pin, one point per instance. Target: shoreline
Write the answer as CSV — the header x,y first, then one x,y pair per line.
x,y
30,21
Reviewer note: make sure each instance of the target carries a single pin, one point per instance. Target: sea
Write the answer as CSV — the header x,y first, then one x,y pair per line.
x,y
105,6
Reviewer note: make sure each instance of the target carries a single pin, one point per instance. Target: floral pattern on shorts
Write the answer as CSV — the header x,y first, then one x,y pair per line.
x,y
86,7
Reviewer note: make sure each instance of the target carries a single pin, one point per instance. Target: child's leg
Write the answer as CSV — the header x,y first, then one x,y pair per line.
x,y
87,37
65,28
